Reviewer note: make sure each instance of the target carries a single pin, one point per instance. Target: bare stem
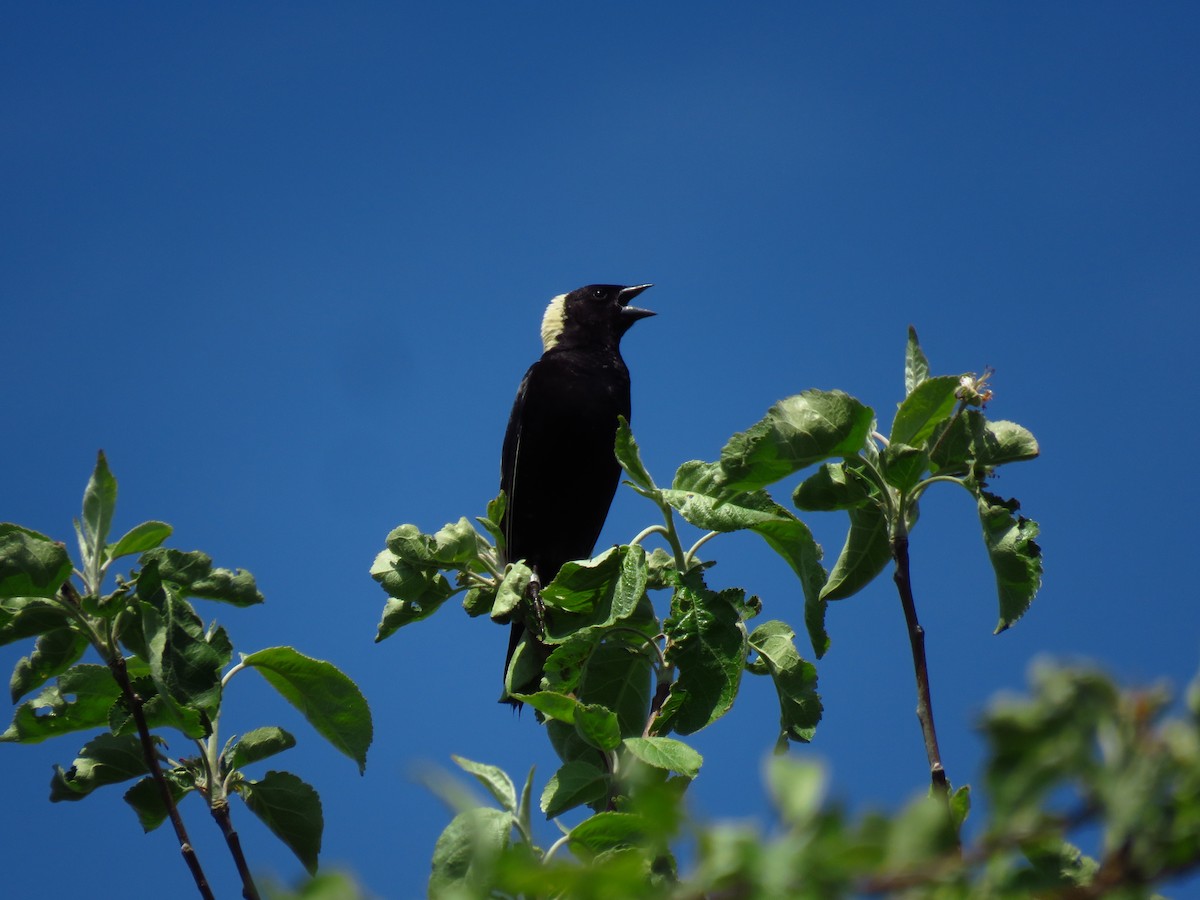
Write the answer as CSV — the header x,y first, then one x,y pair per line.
x,y
661,691
116,664
916,637
220,812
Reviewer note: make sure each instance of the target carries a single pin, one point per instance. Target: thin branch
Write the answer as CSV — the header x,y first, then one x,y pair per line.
x,y
220,812
691,554
916,637
661,691
116,664
646,532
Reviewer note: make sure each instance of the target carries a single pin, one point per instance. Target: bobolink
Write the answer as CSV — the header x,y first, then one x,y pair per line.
x,y
558,468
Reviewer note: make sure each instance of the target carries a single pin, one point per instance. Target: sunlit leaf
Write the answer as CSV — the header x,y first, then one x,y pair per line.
x,y
291,809
326,697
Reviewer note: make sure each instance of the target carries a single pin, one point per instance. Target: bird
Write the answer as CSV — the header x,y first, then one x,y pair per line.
x,y
558,468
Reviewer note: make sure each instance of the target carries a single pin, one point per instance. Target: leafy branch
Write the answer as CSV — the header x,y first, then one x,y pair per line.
x,y
606,637
162,669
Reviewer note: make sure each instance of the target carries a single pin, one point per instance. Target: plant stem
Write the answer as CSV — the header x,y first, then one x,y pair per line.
x,y
646,532
116,664
220,812
672,536
916,637
661,691
691,554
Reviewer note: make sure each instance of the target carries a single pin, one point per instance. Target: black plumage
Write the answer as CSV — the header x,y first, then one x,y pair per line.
x,y
558,468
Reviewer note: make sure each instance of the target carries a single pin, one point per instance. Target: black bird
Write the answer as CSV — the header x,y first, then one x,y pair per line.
x,y
558,468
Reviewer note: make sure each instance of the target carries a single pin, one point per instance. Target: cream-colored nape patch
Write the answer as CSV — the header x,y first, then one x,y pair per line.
x,y
552,321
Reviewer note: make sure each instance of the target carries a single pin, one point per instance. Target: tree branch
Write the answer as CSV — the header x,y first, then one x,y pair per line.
x,y
116,664
220,812
916,637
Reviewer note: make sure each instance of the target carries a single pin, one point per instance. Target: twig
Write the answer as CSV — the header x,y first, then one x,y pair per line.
x,y
116,664
916,637
660,697
220,812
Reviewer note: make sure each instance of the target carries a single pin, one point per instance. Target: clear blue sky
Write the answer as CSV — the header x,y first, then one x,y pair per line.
x,y
286,264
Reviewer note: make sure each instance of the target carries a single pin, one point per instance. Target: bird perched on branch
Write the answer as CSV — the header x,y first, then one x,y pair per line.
x,y
558,468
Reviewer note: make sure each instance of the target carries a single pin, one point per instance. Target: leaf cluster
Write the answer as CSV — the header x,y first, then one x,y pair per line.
x,y
162,668
614,669
1075,756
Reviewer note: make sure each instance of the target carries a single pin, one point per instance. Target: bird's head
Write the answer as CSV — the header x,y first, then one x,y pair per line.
x,y
598,314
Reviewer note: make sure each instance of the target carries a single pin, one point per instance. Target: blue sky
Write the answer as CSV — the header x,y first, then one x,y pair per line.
x,y
286,265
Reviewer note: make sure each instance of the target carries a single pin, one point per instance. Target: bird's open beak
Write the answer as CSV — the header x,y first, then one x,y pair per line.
x,y
633,312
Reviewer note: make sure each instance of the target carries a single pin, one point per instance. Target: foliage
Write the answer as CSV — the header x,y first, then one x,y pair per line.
x,y
635,651
1075,756
162,668
623,676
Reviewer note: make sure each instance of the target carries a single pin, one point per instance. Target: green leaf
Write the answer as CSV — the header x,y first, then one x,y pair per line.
x,y
139,539
524,816
797,788
960,806
1016,556
78,700
55,651
552,705
594,594
416,592
26,617
1058,864
916,366
864,555
839,485
797,432
99,501
193,574
795,681
666,753
1036,744
950,447
707,644
147,802
659,566
618,675
610,667
291,809
920,834
158,710
493,778
574,784
1001,442
609,831
255,745
904,466
31,565
511,591
969,442
466,852
700,499
478,601
630,457
929,404
598,726
456,544
327,698
495,515
185,667
410,544
106,759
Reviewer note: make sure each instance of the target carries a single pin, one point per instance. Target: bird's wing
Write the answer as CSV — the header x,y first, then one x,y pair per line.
x,y
508,457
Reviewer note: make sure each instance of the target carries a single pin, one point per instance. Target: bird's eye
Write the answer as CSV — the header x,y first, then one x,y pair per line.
x,y
598,293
